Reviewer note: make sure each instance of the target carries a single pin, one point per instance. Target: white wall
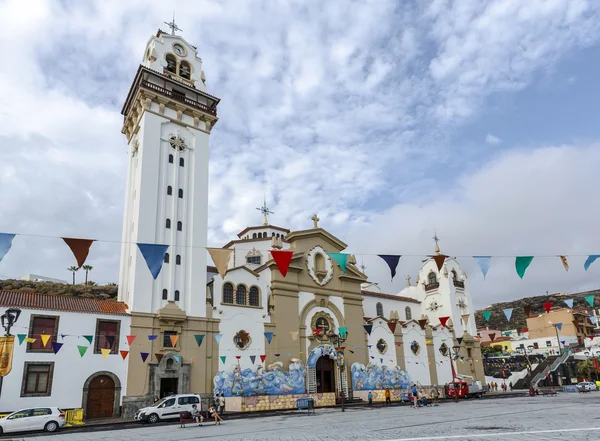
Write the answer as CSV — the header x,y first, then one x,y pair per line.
x,y
542,343
70,369
304,298
381,330
389,305
444,371
416,365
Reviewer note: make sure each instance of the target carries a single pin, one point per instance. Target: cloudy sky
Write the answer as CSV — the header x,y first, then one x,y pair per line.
x,y
476,119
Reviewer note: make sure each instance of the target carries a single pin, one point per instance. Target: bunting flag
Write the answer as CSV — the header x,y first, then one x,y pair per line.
x,y
158,357
238,357
105,353
252,359
484,263
218,338
398,344
263,358
282,259
80,248
89,338
269,337
422,323
220,258
223,358
547,306
56,347
487,315
562,341
590,300
439,260
294,335
154,255
208,357
392,261
30,340
508,313
343,331
45,338
593,319
569,303
110,339
381,360
124,354
521,264
82,350
368,328
392,326
591,337
341,259
559,326
563,259
318,331
459,340
527,309
144,356
199,338
174,339
443,320
152,337
465,318
130,339
177,358
428,342
492,336
22,338
5,244
591,259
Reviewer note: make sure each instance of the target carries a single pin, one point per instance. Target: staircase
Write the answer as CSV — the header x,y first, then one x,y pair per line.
x,y
553,367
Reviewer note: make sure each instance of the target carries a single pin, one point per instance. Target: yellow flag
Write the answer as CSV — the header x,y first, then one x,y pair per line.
x,y
7,345
428,342
174,339
30,340
563,259
105,353
220,257
45,338
294,335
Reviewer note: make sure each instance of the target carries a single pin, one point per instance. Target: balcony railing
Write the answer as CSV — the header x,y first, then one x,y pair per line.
x,y
432,286
178,97
459,283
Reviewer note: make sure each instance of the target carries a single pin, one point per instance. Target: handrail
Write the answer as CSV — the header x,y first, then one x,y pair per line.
x,y
555,365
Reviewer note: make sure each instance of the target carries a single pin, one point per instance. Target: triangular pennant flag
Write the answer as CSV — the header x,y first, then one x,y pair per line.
x,y
144,356
569,303
527,310
484,263
428,342
238,357
392,326
343,331
45,338
443,320
220,258
487,315
459,340
110,339
154,255
62,336
392,261
368,328
152,337
590,300
130,339
89,338
82,350
492,336
252,359
521,264
282,259
591,337
341,259
262,358
80,248
562,341
559,326
199,338
173,339
439,260
563,259
593,319
381,360
269,337
5,243
398,344
124,354
223,358
508,313
56,347
105,353
422,323
208,357
218,338
30,340
159,357
547,306
177,358
22,338
294,335
591,259
465,318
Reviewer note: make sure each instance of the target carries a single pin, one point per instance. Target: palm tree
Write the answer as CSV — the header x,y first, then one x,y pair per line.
x,y
73,269
87,269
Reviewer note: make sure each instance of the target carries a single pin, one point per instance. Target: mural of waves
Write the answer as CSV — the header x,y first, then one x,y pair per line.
x,y
373,377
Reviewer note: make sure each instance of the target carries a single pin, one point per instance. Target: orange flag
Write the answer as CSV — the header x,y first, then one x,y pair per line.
x,y
173,339
80,248
124,354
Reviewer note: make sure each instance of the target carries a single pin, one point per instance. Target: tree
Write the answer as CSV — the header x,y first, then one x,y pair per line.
x,y
87,269
73,269
585,369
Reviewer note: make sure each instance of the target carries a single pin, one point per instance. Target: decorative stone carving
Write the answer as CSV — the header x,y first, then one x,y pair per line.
x,y
382,346
322,326
444,349
242,340
319,266
177,142
415,347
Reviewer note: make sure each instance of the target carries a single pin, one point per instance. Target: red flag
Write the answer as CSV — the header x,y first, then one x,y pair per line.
x,y
527,309
443,320
124,354
492,336
591,337
392,326
158,357
525,330
262,358
398,344
422,322
80,248
596,363
282,260
238,356
439,260
130,339
547,305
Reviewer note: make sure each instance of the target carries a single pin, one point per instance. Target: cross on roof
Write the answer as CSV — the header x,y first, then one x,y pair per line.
x,y
316,220
172,25
265,211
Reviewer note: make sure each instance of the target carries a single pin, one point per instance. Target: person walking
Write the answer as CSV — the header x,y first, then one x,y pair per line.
x,y
221,404
510,385
415,395
388,398
370,397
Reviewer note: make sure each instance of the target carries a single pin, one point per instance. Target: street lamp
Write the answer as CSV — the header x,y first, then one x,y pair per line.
x,y
338,340
9,318
454,356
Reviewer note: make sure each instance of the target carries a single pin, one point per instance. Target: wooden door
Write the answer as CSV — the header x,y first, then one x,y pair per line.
x,y
325,375
101,397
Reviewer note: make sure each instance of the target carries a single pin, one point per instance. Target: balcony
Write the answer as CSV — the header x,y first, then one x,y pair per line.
x,y
432,286
458,283
178,97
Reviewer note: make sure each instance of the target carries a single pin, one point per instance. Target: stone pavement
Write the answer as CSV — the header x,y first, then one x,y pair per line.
x,y
565,417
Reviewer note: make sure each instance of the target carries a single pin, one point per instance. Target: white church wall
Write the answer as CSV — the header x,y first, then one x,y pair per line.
x,y
416,365
441,335
381,330
338,302
304,298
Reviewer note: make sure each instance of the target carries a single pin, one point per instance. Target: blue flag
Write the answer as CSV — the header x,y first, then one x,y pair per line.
x,y
392,261
569,303
218,337
177,358
591,259
154,255
559,326
269,337
5,243
484,263
508,313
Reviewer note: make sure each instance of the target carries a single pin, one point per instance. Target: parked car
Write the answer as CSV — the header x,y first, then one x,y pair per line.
x,y
587,385
49,419
168,408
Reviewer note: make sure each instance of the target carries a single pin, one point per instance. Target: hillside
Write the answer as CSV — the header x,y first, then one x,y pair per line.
x,y
517,321
87,291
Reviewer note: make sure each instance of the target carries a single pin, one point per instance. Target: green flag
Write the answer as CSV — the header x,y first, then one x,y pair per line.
x,y
341,259
89,338
486,315
223,358
22,338
521,264
590,300
199,338
82,350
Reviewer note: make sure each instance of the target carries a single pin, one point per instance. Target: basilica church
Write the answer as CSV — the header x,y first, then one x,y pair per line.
x,y
251,331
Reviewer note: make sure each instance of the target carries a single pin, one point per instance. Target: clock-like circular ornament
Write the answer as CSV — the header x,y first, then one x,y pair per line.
x,y
179,49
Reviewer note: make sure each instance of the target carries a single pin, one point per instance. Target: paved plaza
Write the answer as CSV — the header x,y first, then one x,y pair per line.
x,y
566,417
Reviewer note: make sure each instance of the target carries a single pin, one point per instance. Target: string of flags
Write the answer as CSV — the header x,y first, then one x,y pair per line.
x,y
154,256
547,306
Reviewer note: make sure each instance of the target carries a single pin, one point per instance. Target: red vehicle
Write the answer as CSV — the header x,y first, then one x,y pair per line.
x,y
462,389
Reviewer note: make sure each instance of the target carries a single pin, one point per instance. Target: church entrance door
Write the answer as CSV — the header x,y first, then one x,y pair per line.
x,y
168,386
325,369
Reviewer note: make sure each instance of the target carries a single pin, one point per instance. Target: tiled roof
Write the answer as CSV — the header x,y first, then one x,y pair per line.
x,y
54,302
388,296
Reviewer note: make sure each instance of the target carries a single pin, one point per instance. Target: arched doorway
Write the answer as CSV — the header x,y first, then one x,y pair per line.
x,y
325,371
101,395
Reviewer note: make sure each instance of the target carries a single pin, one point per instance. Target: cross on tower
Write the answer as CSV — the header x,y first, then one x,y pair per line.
x,y
265,211
362,267
436,239
316,220
172,25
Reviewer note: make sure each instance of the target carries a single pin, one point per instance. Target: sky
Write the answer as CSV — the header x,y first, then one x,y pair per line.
x,y
476,120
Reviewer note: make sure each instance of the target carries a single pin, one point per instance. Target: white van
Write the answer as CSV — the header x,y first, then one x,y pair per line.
x,y
168,408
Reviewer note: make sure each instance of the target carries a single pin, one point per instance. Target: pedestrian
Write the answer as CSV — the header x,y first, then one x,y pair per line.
x,y
221,404
197,415
510,385
370,397
388,398
436,396
215,415
155,398
415,395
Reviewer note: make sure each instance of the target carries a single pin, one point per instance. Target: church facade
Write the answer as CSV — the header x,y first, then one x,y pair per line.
x,y
320,329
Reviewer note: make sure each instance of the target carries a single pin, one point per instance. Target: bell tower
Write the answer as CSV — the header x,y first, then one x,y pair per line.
x,y
168,118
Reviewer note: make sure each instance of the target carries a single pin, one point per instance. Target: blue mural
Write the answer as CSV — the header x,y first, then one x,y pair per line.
x,y
374,377
325,350
270,381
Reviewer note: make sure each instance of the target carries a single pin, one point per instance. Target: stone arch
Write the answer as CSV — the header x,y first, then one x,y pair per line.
x,y
329,305
117,394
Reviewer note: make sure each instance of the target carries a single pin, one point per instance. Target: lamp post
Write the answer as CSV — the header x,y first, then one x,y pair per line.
x,y
338,341
9,318
454,356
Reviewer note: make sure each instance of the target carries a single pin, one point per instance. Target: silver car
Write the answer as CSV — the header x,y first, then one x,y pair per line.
x,y
49,419
587,385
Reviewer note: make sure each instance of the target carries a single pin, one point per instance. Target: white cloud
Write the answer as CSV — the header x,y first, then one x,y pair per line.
x,y
492,140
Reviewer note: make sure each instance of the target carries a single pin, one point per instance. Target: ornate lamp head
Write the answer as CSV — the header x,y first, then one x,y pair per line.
x,y
9,318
